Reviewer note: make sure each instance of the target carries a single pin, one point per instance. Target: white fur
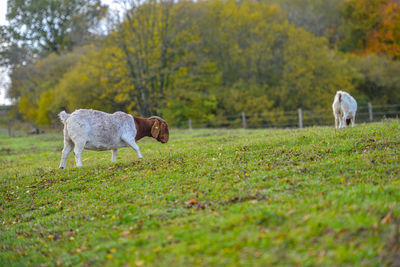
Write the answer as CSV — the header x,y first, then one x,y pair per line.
x,y
344,107
96,130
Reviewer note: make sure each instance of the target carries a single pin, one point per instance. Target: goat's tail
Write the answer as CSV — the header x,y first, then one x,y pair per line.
x,y
339,96
63,116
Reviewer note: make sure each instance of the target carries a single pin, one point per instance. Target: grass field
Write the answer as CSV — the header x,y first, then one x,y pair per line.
x,y
313,196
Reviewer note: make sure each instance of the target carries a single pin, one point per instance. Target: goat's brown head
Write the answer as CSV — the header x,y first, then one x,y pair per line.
x,y
159,130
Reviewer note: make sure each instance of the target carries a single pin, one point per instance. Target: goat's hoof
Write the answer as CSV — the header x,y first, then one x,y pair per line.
x,y
61,168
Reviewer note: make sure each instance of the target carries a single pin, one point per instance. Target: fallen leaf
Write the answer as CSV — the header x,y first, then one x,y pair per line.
x,y
387,218
191,201
125,233
139,263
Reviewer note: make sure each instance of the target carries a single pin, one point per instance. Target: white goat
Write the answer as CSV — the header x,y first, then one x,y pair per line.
x,y
344,109
97,130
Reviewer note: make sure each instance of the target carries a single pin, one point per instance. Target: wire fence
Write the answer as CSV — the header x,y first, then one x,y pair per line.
x,y
278,119
290,119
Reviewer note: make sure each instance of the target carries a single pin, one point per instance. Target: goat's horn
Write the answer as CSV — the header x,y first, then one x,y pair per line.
x,y
157,118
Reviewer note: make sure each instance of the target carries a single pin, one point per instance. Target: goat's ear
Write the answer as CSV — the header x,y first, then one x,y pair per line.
x,y
155,130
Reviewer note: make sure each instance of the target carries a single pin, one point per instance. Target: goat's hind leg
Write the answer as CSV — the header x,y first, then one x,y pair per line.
x,y
79,146
344,120
337,122
68,146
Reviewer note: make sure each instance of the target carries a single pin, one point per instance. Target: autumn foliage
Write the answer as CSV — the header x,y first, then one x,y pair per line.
x,y
215,58
373,26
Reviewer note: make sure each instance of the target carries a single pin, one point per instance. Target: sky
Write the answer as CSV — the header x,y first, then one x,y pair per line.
x,y
3,9
3,72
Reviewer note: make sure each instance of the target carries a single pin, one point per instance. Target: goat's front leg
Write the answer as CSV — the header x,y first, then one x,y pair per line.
x,y
136,148
131,142
114,155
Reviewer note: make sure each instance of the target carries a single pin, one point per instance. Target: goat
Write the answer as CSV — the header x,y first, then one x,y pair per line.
x,y
97,130
344,109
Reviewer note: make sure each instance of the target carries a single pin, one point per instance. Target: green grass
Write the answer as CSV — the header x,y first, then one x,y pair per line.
x,y
313,196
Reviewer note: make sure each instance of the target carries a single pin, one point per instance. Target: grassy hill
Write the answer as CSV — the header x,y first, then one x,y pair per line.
x,y
313,196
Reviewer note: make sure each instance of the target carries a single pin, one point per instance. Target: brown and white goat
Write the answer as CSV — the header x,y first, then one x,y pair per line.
x,y
97,130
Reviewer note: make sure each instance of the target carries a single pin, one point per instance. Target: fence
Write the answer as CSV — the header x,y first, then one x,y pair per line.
x,y
279,119
290,119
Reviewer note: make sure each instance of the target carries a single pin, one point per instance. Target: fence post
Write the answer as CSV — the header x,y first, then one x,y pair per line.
x,y
9,128
244,120
190,124
371,115
300,113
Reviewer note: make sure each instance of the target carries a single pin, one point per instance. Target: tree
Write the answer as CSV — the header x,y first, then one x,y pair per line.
x,y
52,25
311,76
385,39
381,82
317,16
145,43
196,60
12,55
96,81
33,85
371,26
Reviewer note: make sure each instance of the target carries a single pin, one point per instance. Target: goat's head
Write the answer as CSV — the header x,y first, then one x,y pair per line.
x,y
159,130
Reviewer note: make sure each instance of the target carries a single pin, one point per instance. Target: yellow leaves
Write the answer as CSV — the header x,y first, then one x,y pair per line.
x,y
104,80
139,263
110,253
275,9
279,238
306,217
45,108
26,107
121,97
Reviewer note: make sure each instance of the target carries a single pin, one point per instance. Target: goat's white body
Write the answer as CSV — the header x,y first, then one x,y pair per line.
x,y
97,130
344,107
